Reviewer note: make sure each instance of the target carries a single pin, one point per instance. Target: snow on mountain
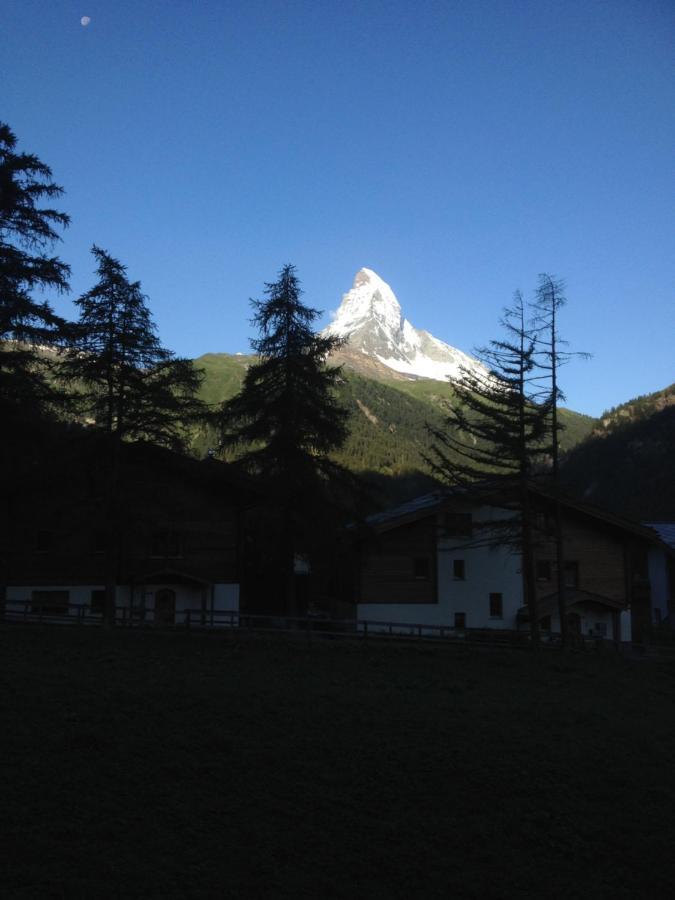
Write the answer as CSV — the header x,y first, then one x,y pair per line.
x,y
370,319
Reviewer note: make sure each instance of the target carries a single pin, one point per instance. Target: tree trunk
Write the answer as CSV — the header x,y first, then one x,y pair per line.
x,y
560,567
527,562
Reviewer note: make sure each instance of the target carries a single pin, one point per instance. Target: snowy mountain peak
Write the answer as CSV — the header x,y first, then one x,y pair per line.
x,y
370,320
370,299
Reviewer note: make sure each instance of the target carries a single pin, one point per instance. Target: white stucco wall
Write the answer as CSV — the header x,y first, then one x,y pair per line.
x,y
658,581
225,597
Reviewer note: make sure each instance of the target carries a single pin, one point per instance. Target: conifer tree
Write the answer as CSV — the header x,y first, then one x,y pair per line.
x,y
128,385
28,229
495,438
550,354
286,421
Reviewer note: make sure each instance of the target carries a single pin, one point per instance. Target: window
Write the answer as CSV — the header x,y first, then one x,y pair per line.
x,y
546,623
97,601
460,620
166,544
458,524
496,606
458,570
421,568
571,570
543,570
44,541
99,541
50,603
544,523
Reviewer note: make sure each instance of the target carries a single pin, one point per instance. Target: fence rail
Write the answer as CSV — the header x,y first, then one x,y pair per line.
x,y
80,614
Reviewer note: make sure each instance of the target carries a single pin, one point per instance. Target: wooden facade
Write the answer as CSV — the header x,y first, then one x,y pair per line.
x,y
179,521
400,565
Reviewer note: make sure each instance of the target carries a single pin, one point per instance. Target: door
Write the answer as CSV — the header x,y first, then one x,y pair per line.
x,y
574,623
165,607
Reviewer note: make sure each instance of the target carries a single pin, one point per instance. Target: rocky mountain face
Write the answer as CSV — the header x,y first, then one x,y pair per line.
x,y
372,323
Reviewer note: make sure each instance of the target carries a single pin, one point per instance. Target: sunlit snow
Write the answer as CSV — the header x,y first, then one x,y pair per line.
x,y
370,319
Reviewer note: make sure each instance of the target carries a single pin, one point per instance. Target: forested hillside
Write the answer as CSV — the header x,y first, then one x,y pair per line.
x,y
388,415
628,464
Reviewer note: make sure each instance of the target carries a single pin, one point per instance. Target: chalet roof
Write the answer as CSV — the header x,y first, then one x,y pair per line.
x,y
170,576
665,530
414,509
548,605
428,504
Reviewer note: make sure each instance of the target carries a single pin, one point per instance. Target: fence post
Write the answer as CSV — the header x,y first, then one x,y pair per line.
x,y
188,619
365,629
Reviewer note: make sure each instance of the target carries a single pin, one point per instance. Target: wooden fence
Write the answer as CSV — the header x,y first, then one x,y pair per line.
x,y
191,620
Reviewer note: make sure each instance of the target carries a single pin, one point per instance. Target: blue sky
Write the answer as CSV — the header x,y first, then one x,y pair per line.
x,y
458,149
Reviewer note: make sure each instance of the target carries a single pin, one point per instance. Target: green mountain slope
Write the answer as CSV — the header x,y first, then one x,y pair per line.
x,y
388,413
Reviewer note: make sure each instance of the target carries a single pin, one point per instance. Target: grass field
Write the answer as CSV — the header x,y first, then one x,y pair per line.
x,y
170,765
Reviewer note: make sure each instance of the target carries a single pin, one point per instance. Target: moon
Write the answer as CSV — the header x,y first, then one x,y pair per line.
x,y
84,21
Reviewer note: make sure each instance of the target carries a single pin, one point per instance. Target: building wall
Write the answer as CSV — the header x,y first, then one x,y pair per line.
x,y
225,597
387,570
599,553
487,570
659,583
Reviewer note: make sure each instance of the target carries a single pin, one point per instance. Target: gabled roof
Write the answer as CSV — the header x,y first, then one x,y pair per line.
x,y
665,530
170,576
429,504
411,511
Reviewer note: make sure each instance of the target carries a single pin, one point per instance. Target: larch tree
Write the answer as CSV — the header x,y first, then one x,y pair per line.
x,y
286,421
550,355
494,439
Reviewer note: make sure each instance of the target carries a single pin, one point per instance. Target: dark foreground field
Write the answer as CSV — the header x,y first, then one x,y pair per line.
x,y
167,765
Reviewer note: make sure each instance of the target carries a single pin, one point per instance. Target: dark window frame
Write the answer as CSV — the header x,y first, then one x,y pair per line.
x,y
571,573
459,569
421,568
496,603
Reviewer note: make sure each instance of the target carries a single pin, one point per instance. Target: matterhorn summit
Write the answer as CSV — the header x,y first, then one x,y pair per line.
x,y
371,321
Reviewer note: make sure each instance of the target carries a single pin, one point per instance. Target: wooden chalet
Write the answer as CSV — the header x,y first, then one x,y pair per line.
x,y
179,535
429,562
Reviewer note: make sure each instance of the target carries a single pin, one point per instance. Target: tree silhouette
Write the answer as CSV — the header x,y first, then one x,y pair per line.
x,y
128,385
27,230
494,441
286,421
